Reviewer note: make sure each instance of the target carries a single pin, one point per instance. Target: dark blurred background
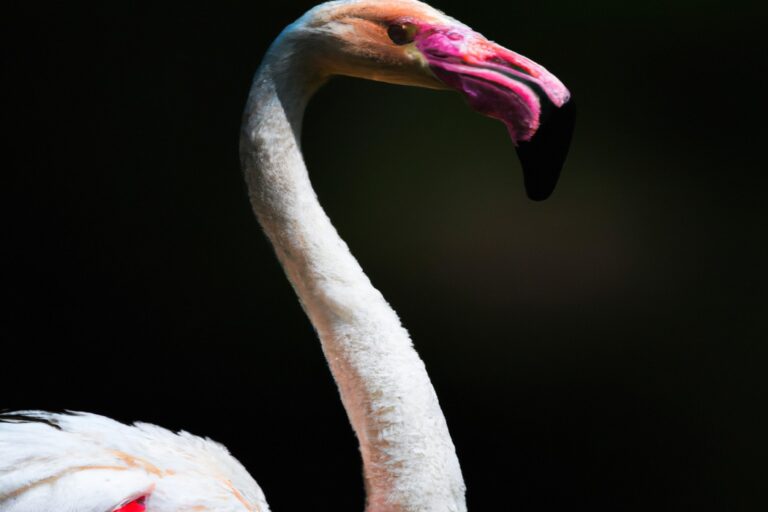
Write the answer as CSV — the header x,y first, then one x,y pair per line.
x,y
604,349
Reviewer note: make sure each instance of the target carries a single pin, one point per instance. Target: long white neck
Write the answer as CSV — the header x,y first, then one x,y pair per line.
x,y
410,463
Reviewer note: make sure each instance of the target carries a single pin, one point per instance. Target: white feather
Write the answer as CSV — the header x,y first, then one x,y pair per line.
x,y
94,464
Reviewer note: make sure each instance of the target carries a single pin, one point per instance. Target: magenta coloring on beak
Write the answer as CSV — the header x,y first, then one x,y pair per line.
x,y
532,103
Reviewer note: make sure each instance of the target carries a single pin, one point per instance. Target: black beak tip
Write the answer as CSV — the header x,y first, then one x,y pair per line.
x,y
543,156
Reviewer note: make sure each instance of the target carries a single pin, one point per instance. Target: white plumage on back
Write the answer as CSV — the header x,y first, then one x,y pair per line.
x,y
86,462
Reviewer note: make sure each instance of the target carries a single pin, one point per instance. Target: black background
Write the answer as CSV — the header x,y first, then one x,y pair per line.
x,y
604,349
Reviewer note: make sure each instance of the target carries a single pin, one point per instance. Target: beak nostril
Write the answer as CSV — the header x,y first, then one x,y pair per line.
x,y
501,62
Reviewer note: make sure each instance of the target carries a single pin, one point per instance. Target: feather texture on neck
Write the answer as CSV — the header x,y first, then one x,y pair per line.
x,y
409,459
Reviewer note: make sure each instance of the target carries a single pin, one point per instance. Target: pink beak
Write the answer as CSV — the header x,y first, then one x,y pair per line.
x,y
533,104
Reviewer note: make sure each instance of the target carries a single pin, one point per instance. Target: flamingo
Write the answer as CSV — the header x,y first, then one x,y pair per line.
x,y
89,463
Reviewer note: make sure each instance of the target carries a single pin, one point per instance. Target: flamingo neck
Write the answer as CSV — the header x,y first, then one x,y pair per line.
x,y
409,460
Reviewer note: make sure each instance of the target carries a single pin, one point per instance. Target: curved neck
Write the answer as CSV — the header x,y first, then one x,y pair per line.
x,y
409,459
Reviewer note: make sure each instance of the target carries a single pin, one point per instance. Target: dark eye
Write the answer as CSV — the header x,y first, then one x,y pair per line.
x,y
402,33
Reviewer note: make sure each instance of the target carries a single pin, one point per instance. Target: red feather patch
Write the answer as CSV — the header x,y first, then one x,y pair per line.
x,y
134,506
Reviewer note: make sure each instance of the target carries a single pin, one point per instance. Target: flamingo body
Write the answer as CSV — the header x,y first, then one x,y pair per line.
x,y
91,463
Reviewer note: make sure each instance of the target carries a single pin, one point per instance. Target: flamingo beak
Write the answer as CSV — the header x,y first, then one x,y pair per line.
x,y
533,104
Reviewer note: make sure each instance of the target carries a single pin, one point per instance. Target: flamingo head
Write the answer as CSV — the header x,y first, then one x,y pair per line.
x,y
408,42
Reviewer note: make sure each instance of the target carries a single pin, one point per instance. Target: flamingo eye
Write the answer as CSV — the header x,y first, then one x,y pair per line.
x,y
402,33
137,505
